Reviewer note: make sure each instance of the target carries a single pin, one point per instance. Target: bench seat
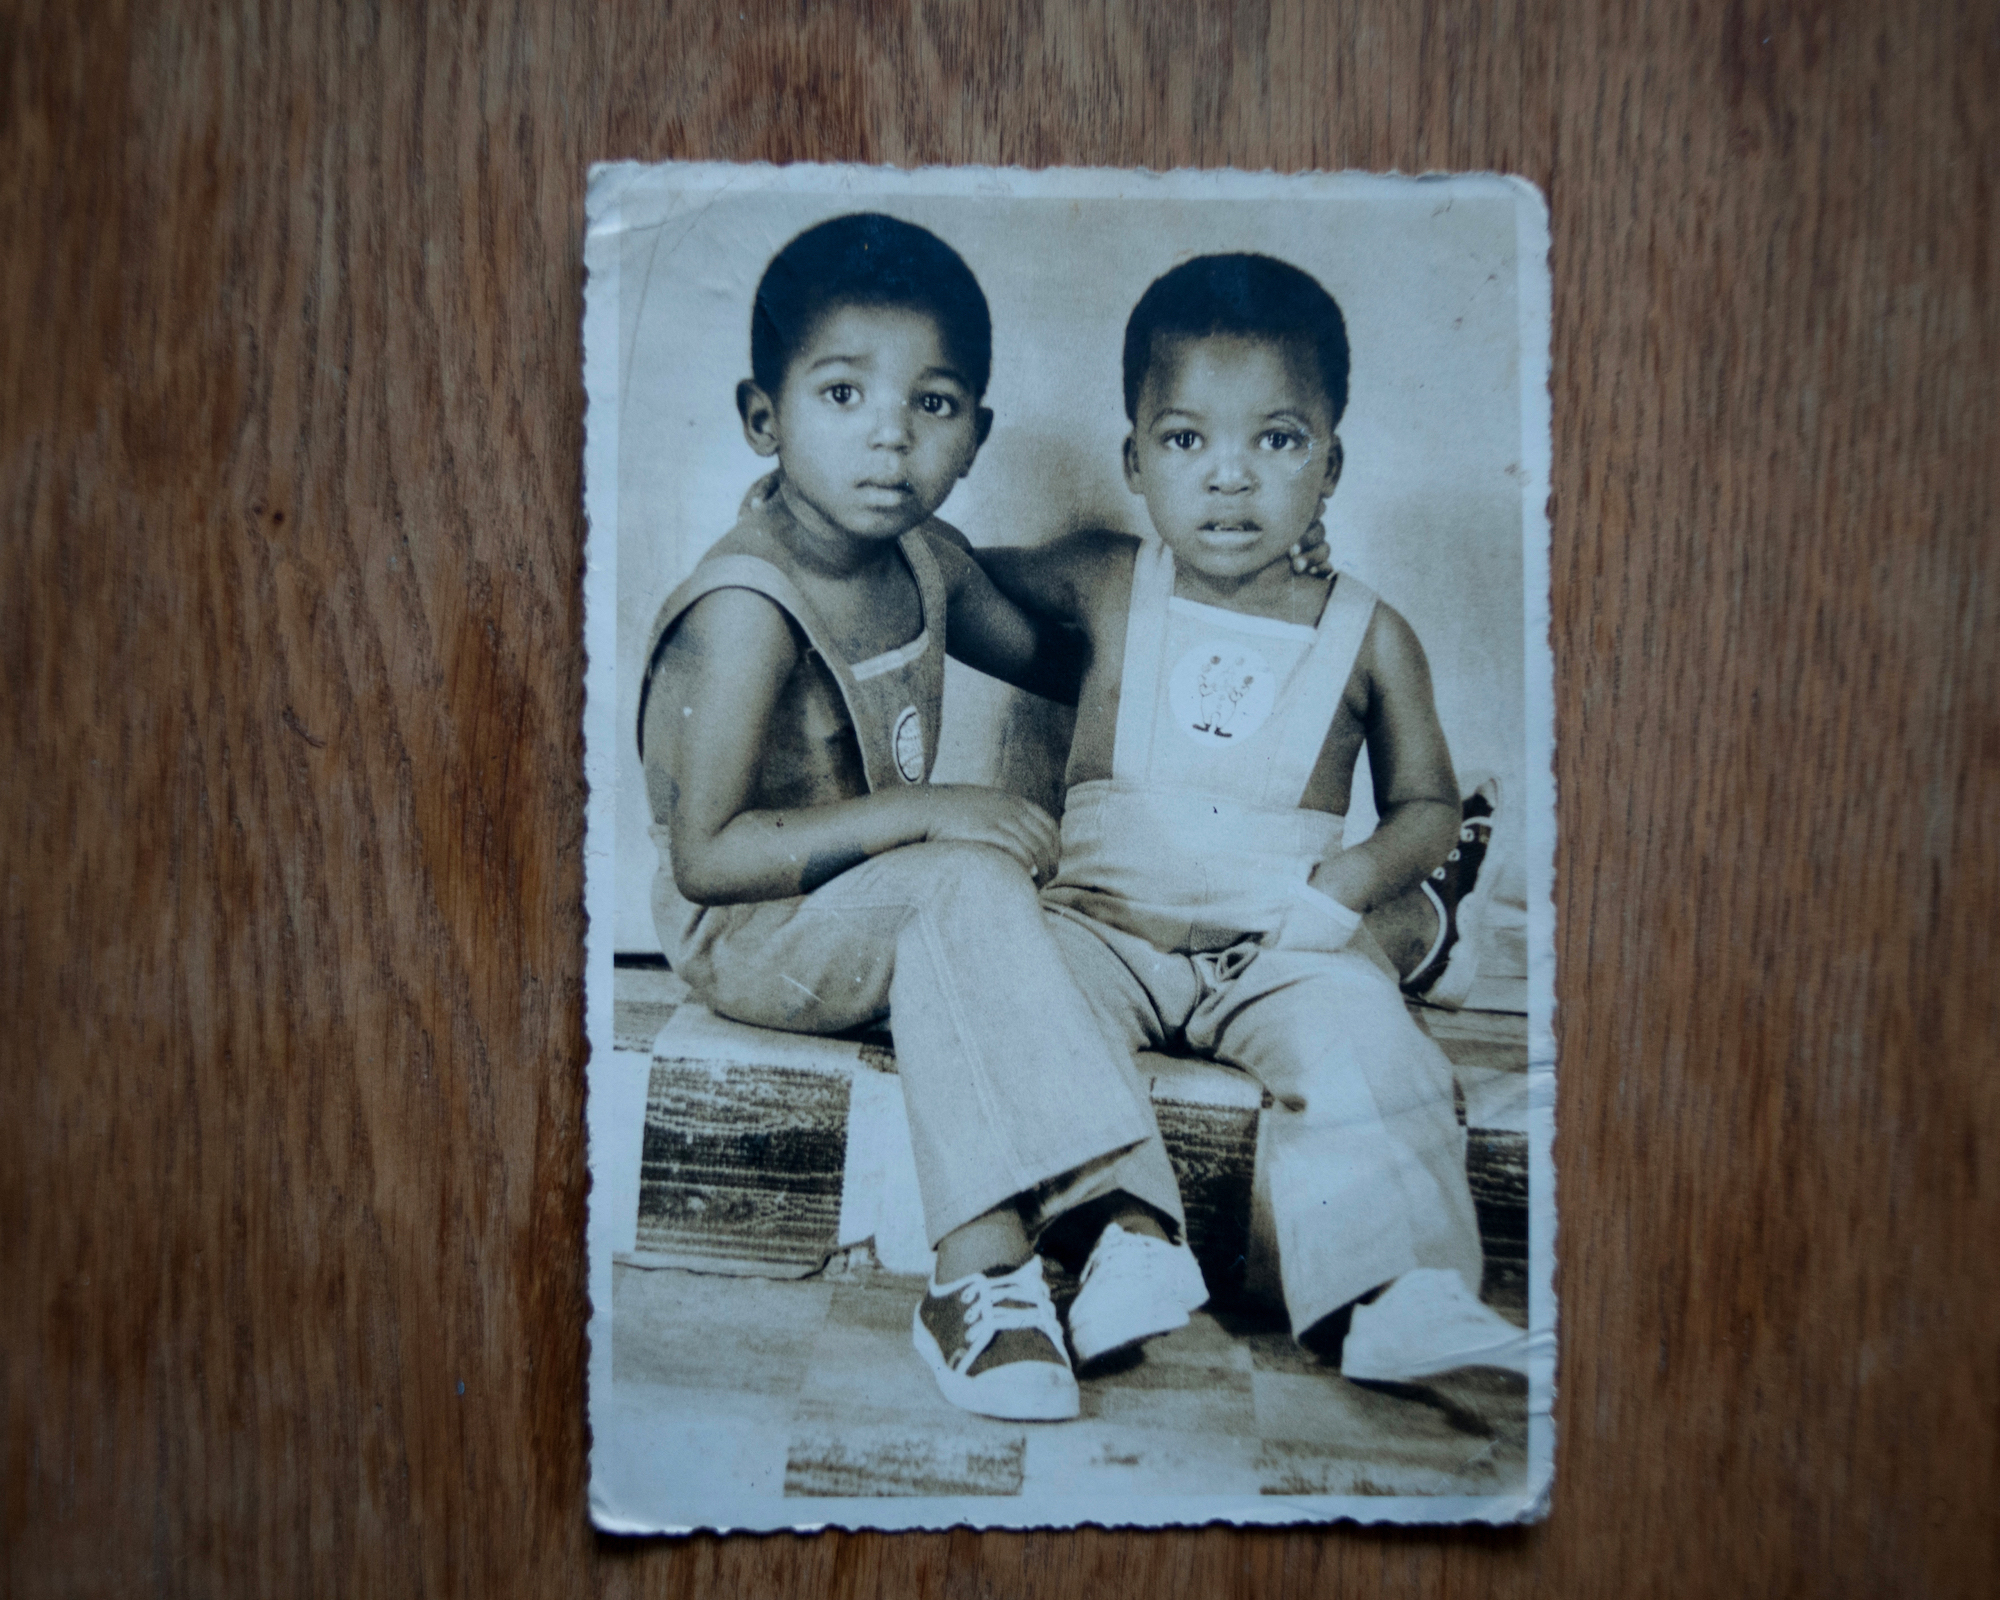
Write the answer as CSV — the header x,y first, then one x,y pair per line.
x,y
768,1153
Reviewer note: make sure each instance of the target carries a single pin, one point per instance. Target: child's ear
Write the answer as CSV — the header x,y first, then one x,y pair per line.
x,y
1336,458
1132,464
760,418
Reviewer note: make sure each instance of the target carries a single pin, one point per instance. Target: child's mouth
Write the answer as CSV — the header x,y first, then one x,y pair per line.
x,y
886,489
1230,533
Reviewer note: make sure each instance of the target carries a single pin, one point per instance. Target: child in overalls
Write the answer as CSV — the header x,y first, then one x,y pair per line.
x,y
1206,895
811,876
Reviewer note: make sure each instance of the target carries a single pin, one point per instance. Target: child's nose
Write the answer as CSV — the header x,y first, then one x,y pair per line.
x,y
1228,470
891,427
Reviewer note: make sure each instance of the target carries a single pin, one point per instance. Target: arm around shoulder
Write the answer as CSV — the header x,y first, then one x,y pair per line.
x,y
1059,580
1021,630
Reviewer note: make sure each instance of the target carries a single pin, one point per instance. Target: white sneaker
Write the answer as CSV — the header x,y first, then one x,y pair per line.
x,y
995,1347
1134,1286
1428,1322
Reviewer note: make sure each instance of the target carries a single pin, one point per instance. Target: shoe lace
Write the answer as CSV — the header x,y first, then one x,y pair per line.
x,y
993,1306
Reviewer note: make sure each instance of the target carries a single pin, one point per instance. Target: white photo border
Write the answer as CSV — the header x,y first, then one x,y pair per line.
x,y
615,187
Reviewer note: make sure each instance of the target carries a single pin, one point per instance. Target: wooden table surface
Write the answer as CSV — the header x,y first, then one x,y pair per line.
x,y
291,1167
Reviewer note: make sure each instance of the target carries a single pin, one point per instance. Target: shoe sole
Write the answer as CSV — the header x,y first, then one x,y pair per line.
x,y
1451,987
1511,1355
1037,1399
1091,1345
1088,1350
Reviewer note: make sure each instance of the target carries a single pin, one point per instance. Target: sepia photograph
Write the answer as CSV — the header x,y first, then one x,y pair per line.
x,y
1070,845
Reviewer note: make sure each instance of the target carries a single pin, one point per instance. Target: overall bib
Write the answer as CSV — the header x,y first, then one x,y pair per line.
x,y
1183,908
1013,1089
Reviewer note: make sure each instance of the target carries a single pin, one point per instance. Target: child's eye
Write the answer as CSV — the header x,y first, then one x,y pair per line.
x,y
841,394
1181,439
938,405
1281,439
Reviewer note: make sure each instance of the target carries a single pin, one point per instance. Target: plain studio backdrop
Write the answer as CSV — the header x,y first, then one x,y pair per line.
x,y
1428,510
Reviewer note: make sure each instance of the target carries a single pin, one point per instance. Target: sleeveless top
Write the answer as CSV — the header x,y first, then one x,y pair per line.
x,y
892,701
1198,839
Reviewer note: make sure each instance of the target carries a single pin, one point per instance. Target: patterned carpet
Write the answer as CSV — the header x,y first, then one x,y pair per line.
x,y
810,1388
764,1153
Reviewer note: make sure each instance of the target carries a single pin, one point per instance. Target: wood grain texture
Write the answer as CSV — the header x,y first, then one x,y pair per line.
x,y
290,437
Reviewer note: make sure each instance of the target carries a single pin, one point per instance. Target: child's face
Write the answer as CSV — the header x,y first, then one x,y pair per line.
x,y
1233,449
874,424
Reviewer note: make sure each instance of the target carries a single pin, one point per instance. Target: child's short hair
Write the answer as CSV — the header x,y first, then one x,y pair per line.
x,y
867,259
1249,296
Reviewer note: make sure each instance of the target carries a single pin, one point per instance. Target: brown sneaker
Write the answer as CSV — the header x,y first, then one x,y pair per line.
x,y
995,1347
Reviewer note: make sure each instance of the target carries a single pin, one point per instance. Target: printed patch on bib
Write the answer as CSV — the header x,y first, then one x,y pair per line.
x,y
1221,691
908,743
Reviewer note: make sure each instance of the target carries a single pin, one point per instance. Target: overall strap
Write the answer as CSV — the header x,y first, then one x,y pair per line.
x,y
1311,700
896,697
914,673
1140,682
932,596
734,571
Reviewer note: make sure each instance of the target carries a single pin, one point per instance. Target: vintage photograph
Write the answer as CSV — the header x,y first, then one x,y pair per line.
x,y
1070,848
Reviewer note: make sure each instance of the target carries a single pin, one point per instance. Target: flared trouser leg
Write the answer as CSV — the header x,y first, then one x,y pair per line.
x,y
1362,1151
1360,1154
1014,1090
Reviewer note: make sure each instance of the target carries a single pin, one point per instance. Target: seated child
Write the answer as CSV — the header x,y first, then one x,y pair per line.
x,y
812,878
1205,896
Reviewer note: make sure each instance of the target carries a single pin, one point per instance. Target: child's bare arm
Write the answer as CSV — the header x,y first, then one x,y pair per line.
x,y
1054,580
1416,792
996,634
708,719
1017,610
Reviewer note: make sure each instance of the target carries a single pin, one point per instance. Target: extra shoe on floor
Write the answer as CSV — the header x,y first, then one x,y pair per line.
x,y
995,1347
1133,1287
1460,890
1428,1322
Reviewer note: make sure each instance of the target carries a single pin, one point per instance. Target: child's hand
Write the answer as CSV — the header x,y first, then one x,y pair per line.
x,y
971,814
1310,556
1316,921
